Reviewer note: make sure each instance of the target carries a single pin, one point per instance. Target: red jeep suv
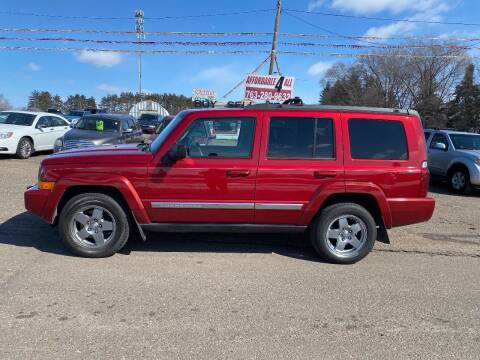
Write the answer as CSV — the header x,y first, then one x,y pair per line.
x,y
341,174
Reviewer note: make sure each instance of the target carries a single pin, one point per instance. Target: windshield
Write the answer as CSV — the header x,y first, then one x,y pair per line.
x,y
13,118
75,113
98,124
167,131
153,121
465,142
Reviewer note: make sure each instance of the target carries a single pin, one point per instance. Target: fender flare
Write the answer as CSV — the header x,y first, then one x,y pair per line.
x,y
118,182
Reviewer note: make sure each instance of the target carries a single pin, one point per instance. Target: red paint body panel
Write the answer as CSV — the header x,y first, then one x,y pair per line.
x,y
398,187
293,180
411,211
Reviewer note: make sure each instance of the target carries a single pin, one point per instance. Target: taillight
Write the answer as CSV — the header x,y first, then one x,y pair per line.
x,y
425,180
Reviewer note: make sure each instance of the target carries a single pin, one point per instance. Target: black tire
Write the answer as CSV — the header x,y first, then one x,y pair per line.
x,y
114,210
460,174
325,247
24,148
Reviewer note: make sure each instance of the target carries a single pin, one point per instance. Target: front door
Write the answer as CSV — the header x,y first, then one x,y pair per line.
x,y
438,159
45,134
215,183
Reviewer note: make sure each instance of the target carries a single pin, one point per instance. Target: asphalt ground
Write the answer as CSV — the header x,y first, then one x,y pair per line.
x,y
207,296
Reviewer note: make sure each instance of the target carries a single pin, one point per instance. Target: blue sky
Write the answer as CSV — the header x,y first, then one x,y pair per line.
x,y
97,74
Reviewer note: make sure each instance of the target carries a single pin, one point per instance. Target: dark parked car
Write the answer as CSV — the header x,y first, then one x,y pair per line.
x,y
100,129
149,122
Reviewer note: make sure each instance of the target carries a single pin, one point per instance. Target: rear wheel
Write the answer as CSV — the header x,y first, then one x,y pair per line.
x,y
24,148
344,233
94,225
459,181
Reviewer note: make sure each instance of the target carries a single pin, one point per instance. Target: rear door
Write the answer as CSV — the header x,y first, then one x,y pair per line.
x,y
60,126
300,158
215,183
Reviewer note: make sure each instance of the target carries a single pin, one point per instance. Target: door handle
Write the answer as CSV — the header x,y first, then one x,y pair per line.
x,y
238,173
324,174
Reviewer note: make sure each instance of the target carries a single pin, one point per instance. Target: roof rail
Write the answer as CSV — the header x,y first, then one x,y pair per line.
x,y
339,108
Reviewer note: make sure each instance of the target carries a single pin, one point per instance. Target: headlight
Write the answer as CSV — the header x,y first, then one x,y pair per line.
x,y
6,135
59,142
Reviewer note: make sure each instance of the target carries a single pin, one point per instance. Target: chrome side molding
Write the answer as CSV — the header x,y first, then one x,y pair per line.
x,y
225,205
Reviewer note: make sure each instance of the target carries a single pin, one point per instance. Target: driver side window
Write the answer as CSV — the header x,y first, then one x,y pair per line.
x,y
44,122
230,137
439,138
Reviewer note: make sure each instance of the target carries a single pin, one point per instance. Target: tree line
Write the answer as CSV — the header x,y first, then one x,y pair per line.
x,y
437,80
116,103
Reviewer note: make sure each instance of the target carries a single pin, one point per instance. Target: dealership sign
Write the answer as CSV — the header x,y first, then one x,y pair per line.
x,y
204,94
269,87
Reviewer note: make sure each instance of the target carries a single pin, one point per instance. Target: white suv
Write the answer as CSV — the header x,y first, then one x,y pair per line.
x,y
24,132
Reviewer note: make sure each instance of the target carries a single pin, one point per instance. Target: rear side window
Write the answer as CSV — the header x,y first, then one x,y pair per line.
x,y
377,139
300,138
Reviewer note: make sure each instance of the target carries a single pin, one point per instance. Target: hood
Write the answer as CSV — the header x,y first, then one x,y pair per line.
x,y
97,137
115,154
473,154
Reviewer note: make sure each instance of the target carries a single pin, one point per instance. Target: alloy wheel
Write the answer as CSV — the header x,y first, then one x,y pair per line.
x,y
346,235
458,180
93,226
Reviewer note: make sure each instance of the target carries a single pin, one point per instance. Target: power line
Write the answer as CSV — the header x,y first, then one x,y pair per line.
x,y
55,16
227,52
380,18
234,43
332,35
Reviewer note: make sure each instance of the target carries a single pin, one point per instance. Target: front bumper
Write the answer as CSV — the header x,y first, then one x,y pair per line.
x,y
35,201
475,175
8,146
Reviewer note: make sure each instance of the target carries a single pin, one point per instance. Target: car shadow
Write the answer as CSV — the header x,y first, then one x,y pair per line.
x,y
34,155
27,230
439,187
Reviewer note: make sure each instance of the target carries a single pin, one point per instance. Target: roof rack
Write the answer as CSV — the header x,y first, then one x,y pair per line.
x,y
339,108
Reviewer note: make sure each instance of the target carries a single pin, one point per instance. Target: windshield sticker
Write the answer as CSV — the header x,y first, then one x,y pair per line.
x,y
99,125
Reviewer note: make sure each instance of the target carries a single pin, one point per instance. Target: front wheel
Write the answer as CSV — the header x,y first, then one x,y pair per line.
x,y
344,233
24,148
459,181
94,225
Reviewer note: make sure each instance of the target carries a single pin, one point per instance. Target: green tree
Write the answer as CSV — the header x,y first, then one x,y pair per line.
x,y
40,100
78,101
464,109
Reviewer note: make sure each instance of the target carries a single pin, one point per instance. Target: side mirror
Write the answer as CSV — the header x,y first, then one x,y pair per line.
x,y
177,152
440,146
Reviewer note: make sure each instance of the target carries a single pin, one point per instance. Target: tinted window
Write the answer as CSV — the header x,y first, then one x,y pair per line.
x,y
427,135
44,122
300,138
57,121
13,118
377,139
439,138
220,137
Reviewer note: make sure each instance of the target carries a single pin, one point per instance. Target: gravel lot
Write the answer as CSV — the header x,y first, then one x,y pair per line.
x,y
246,296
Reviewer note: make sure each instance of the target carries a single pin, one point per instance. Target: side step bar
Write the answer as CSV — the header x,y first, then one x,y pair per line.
x,y
222,228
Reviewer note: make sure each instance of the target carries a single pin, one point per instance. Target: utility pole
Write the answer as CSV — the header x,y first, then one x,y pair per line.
x,y
273,55
140,36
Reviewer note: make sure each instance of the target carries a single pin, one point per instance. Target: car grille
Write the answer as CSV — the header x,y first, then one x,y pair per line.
x,y
75,144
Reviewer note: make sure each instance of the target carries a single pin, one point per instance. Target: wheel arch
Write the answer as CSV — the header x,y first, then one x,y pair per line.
x,y
111,191
366,200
